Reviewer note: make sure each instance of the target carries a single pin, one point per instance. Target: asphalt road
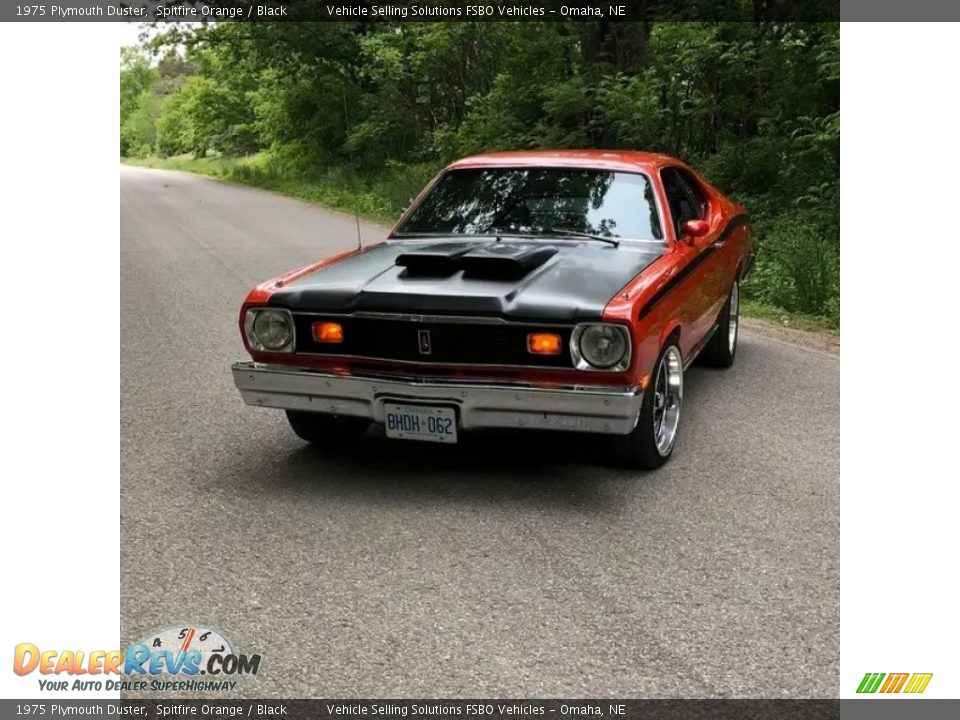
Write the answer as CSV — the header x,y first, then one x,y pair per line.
x,y
507,566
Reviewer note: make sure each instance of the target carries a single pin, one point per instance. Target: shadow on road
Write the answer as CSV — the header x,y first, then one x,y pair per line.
x,y
543,468
552,469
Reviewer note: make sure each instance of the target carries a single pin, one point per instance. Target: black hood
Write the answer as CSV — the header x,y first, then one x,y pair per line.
x,y
562,281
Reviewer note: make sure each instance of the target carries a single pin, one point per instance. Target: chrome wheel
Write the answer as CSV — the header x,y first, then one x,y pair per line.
x,y
667,397
733,323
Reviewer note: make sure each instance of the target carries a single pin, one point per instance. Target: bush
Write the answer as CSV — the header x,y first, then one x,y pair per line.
x,y
798,264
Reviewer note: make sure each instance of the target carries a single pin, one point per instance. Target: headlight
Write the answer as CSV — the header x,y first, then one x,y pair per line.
x,y
600,346
269,329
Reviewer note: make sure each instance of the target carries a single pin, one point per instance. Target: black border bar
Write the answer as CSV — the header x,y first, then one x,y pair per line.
x,y
436,709
421,10
874,708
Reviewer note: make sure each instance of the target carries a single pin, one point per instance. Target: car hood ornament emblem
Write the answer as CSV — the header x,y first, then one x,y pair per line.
x,y
423,341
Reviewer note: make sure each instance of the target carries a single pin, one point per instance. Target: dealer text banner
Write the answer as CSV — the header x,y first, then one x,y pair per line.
x,y
172,11
487,709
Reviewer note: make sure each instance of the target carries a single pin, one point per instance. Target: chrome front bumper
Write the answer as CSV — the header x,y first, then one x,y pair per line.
x,y
478,405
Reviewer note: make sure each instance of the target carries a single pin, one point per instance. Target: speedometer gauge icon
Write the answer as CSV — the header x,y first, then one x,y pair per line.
x,y
182,639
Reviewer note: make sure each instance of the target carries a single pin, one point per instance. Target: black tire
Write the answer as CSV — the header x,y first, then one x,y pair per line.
x,y
721,350
326,430
642,448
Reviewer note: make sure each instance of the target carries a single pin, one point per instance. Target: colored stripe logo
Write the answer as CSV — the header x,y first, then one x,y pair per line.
x,y
894,682
918,683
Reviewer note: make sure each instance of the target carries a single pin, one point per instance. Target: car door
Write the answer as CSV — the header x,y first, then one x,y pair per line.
x,y
702,288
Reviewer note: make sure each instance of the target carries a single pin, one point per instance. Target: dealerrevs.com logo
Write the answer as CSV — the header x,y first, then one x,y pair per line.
x,y
181,658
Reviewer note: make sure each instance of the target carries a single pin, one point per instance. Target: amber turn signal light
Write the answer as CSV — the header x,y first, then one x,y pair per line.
x,y
328,332
543,343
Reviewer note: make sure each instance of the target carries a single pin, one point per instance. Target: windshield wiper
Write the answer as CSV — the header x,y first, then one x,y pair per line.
x,y
566,232
500,233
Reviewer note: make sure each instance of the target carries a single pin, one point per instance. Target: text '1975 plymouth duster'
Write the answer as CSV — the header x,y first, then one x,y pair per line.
x,y
530,290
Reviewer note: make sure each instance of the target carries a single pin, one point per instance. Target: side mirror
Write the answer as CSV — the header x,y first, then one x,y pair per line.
x,y
694,228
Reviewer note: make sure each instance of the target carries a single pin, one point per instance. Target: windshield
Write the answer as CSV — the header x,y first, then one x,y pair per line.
x,y
537,201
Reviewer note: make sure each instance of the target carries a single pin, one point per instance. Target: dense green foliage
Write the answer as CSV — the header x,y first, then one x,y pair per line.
x,y
380,106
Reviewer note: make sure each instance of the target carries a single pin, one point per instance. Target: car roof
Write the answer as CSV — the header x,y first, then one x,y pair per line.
x,y
624,160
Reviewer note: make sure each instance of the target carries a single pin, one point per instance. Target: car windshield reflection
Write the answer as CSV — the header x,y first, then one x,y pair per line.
x,y
552,202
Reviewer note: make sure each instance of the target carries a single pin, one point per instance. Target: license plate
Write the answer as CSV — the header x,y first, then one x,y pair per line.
x,y
420,422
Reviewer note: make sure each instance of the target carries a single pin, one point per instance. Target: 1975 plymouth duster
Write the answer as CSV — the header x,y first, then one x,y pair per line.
x,y
534,290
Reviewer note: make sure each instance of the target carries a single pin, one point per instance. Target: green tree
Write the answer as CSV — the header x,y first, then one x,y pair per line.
x,y
137,79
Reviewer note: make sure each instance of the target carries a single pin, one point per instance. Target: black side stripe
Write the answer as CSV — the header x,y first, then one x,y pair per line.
x,y
704,255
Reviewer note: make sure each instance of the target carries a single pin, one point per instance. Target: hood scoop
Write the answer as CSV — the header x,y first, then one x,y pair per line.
x,y
493,261
433,260
508,262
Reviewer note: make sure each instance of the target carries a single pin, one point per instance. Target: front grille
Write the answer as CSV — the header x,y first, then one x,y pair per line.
x,y
451,342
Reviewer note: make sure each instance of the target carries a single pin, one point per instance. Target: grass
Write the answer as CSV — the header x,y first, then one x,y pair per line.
x,y
798,321
380,198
